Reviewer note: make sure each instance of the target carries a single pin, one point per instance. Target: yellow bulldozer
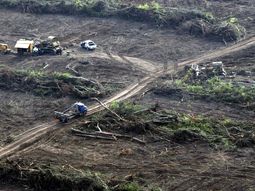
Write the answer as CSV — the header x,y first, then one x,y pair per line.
x,y
4,48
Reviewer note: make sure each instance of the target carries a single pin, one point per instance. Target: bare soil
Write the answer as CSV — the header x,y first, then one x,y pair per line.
x,y
240,65
167,165
243,10
112,35
127,52
114,63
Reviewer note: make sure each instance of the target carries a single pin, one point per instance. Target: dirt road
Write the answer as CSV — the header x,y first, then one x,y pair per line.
x,y
31,136
146,66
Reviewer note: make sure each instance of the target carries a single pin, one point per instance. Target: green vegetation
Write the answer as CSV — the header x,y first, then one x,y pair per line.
x,y
43,177
197,22
144,6
42,74
175,126
150,6
50,84
125,109
220,90
57,177
230,29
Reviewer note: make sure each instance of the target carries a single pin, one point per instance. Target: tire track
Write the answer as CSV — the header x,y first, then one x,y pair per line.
x,y
27,138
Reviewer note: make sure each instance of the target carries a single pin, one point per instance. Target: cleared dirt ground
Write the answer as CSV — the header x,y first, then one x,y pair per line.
x,y
112,35
114,63
241,9
240,63
170,166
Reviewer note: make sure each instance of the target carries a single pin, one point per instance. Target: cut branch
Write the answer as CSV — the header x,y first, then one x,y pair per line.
x,y
107,108
112,136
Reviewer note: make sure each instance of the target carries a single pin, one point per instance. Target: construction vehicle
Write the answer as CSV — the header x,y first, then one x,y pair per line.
x,y
49,46
4,48
76,110
24,46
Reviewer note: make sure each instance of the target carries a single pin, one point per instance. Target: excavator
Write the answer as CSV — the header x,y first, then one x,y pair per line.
x,y
49,46
76,110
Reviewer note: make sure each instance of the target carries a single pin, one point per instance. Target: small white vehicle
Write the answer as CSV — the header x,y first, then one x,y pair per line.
x,y
88,44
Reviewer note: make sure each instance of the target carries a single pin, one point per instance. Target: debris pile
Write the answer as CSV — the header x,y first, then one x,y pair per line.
x,y
198,72
50,177
55,84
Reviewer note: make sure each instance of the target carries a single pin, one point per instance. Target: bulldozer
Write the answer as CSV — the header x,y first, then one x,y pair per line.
x,y
76,110
4,48
49,46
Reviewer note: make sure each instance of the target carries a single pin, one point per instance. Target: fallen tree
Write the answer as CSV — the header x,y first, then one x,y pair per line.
x,y
105,135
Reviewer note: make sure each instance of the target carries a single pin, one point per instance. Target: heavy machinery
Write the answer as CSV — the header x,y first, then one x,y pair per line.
x,y
4,48
76,110
24,46
49,46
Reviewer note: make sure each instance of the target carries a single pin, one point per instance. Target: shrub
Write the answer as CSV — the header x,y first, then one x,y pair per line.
x,y
125,109
229,30
218,89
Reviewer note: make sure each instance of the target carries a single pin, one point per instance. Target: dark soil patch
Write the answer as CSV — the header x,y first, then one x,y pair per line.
x,y
200,23
111,35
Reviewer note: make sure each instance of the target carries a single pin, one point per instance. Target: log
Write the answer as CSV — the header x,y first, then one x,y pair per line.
x,y
68,66
107,134
95,137
107,108
163,118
